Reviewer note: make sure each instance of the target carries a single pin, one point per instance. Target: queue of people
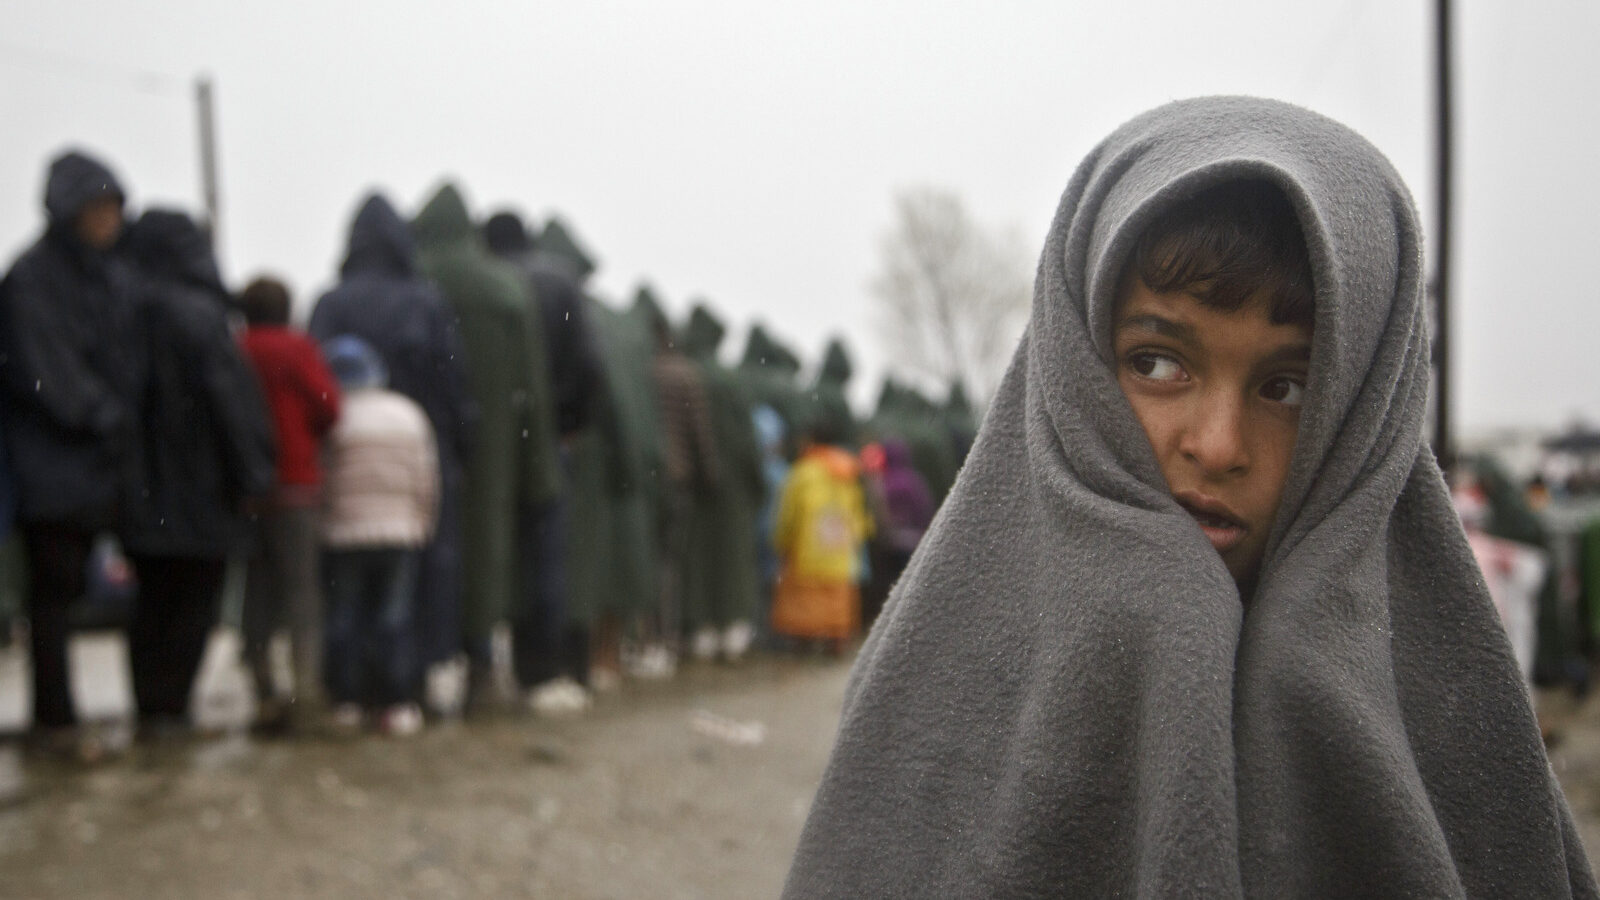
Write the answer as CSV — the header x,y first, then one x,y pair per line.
x,y
462,441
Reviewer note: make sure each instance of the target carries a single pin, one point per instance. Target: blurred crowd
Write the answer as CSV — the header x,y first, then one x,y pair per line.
x,y
462,448
1537,541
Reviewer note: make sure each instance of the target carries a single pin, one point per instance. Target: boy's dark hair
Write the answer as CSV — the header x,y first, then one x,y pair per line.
x,y
1229,245
265,301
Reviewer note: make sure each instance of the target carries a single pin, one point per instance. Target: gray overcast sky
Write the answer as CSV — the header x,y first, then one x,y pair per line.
x,y
747,152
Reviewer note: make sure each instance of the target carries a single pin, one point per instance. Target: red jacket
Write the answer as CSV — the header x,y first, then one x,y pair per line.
x,y
302,395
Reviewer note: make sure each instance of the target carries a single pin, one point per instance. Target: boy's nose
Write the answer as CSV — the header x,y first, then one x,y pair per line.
x,y
1213,437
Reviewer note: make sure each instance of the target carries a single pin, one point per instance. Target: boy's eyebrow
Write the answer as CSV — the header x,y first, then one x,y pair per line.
x,y
1165,327
1290,353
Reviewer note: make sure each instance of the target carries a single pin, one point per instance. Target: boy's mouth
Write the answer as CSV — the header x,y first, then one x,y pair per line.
x,y
1221,525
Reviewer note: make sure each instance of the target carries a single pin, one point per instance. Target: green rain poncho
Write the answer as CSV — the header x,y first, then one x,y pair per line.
x,y
512,459
612,553
721,580
768,372
829,403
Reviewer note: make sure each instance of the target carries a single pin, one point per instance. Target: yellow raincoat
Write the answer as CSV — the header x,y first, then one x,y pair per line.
x,y
822,525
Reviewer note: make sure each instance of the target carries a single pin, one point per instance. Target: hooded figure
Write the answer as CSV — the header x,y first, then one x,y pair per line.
x,y
205,446
383,298
768,369
542,650
612,554
67,372
513,458
904,413
828,398
206,439
1067,694
66,364
721,580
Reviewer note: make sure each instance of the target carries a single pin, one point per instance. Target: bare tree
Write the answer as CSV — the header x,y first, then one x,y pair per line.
x,y
952,297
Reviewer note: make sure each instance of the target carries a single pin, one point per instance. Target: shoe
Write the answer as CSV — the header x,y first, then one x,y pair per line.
x,y
604,679
559,697
704,644
345,719
400,720
272,719
78,745
654,663
163,729
736,640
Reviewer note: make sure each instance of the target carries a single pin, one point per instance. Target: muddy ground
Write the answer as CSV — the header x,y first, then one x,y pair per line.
x,y
692,788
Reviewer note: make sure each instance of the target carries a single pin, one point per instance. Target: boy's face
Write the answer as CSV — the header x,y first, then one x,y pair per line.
x,y
1218,394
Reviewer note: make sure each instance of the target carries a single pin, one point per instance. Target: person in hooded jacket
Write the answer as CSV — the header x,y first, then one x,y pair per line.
x,y
722,582
1198,618
691,468
205,449
543,645
768,370
384,299
66,368
829,397
379,508
820,533
512,465
905,413
902,508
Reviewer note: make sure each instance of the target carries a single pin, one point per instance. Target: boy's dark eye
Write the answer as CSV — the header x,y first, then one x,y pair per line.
x,y
1155,366
1284,390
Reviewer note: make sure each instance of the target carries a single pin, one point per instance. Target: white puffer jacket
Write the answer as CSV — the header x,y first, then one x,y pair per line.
x,y
381,474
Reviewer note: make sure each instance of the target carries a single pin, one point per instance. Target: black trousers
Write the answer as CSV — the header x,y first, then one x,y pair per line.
x,y
58,559
179,600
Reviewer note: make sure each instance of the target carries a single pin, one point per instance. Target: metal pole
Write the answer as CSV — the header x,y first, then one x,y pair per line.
x,y
208,158
1443,447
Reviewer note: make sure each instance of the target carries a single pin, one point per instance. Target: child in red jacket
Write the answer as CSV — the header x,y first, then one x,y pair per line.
x,y
283,587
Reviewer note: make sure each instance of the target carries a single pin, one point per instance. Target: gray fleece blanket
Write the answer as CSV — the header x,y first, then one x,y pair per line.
x,y
1066,696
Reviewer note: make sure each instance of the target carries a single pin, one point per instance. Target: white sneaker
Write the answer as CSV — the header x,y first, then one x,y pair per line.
x,y
704,644
559,697
654,663
401,720
736,640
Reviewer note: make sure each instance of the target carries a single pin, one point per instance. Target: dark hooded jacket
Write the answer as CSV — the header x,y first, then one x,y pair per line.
x,y
721,578
65,363
574,368
205,440
384,299
513,458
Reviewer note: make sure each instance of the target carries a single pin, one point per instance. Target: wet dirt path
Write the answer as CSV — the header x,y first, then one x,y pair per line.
x,y
660,791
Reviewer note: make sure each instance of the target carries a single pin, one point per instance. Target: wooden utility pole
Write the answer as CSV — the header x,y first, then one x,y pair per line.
x,y
1443,448
208,158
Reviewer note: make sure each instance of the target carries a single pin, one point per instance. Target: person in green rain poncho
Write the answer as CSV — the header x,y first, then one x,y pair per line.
x,y
612,554
512,463
828,399
722,582
768,371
